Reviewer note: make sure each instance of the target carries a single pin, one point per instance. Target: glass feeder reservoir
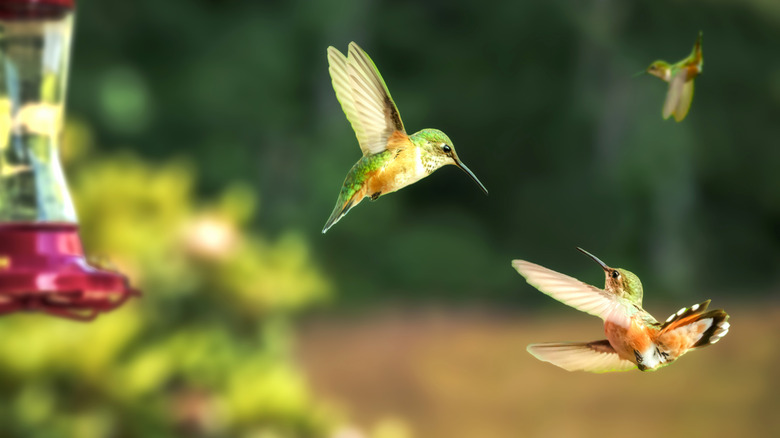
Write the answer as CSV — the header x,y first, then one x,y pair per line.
x,y
42,263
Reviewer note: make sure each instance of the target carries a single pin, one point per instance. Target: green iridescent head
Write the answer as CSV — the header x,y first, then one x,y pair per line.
x,y
438,151
629,283
659,69
433,137
437,148
620,282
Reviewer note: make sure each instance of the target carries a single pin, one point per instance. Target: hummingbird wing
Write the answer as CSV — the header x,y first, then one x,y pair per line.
x,y
593,357
364,98
574,293
675,94
684,102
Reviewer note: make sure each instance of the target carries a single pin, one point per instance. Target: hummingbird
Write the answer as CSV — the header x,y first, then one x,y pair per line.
x,y
680,77
634,338
391,159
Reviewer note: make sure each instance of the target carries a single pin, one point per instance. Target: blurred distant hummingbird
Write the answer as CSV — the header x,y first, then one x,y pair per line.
x,y
391,158
680,77
634,338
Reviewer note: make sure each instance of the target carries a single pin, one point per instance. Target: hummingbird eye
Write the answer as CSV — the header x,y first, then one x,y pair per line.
x,y
446,148
615,275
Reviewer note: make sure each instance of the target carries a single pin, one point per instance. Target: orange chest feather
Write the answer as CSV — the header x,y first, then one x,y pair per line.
x,y
626,340
399,171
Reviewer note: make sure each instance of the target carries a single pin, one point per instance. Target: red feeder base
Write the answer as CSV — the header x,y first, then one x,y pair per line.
x,y
34,9
42,268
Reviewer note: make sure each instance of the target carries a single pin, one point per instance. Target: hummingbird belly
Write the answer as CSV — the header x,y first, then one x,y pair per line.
x,y
636,344
628,340
400,171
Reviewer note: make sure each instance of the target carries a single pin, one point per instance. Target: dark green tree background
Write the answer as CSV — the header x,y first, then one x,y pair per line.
x,y
538,97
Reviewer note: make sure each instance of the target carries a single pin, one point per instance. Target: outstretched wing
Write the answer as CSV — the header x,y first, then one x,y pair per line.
x,y
364,98
572,292
593,357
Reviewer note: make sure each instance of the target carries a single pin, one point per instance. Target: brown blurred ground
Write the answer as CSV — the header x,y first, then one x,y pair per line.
x,y
467,374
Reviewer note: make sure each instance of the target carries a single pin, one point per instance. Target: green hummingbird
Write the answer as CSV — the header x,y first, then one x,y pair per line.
x,y
634,338
391,159
680,77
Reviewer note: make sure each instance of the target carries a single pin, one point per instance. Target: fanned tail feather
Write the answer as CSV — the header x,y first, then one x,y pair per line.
x,y
701,327
719,328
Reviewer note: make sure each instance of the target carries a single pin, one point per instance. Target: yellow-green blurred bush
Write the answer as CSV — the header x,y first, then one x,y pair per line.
x,y
206,351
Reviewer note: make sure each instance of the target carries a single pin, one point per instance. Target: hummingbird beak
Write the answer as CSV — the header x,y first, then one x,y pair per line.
x,y
470,173
595,259
639,73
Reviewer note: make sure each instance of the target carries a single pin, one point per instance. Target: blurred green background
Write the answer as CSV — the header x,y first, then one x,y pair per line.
x,y
205,149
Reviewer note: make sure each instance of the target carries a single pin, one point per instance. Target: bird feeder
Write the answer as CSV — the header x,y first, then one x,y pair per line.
x,y
42,263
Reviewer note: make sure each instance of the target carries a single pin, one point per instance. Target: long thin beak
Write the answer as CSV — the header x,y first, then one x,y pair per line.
x,y
639,73
471,174
595,259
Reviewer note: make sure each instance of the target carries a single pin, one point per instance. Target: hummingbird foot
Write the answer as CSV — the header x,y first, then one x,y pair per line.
x,y
639,361
376,196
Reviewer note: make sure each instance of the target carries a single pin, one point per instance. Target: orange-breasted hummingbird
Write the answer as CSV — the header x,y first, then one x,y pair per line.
x,y
634,338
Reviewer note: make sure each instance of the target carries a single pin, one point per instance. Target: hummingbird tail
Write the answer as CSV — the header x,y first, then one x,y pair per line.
x,y
698,326
339,211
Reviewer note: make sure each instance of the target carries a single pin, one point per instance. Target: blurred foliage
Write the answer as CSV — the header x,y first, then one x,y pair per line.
x,y
205,352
